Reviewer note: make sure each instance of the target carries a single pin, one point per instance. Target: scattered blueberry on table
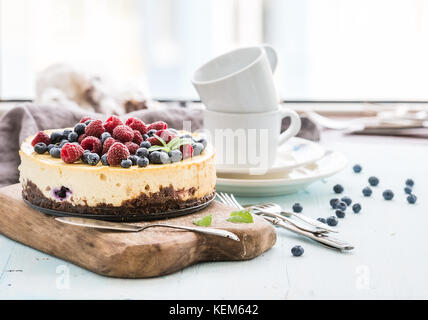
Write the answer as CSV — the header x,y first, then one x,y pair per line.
x,y
297,251
334,202
357,168
388,194
338,188
373,181
410,182
367,192
408,190
411,199
341,206
322,220
340,214
332,221
347,200
356,207
297,208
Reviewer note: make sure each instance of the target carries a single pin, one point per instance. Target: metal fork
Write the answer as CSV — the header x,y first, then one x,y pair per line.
x,y
319,237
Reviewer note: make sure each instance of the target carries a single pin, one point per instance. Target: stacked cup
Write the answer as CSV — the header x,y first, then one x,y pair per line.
x,y
243,115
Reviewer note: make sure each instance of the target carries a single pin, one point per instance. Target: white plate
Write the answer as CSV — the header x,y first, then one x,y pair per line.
x,y
295,153
286,183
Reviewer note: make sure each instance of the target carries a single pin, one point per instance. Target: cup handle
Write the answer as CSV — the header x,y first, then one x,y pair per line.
x,y
272,56
295,125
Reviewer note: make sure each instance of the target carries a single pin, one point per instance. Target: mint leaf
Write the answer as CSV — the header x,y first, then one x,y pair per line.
x,y
204,222
174,142
159,148
242,216
160,140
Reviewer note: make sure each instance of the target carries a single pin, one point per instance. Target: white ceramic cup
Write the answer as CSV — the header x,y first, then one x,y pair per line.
x,y
249,140
240,81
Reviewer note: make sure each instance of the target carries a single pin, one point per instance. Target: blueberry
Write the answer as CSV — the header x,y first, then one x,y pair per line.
x,y
80,128
88,122
40,148
157,157
143,162
388,194
340,214
408,190
145,144
133,159
203,141
334,202
338,188
51,146
322,220
145,137
197,149
142,152
56,137
175,155
411,198
151,132
85,156
332,221
367,192
356,208
65,134
104,160
73,137
297,208
63,142
55,152
347,200
105,136
373,181
357,168
93,159
341,206
297,251
126,163
410,182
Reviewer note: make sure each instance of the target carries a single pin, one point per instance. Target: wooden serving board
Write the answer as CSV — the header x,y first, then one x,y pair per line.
x,y
153,252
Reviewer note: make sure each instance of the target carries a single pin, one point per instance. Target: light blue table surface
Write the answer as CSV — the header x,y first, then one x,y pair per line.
x,y
390,259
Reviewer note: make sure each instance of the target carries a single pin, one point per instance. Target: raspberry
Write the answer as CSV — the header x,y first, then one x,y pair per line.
x,y
138,138
187,151
159,125
71,152
91,143
166,135
84,119
123,133
137,124
81,138
112,123
107,144
117,152
132,147
41,137
95,128
154,141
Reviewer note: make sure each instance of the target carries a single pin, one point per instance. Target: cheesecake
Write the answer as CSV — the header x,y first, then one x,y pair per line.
x,y
109,171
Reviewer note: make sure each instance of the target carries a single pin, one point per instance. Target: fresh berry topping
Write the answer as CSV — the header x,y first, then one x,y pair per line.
x,y
159,125
297,208
92,143
71,152
407,190
80,128
157,157
63,142
51,146
88,122
66,133
203,141
388,194
123,133
56,137
338,188
117,152
145,137
347,200
297,251
142,162
373,181
137,124
332,221
367,192
55,152
150,133
145,144
85,119
187,151
166,135
341,206
142,152
175,155
104,160
357,168
340,214
411,198
138,138
93,159
105,136
322,220
95,129
132,147
81,138
86,153
40,148
41,137
73,137
154,141
111,123
334,202
197,149
126,163
107,144
410,182
356,207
